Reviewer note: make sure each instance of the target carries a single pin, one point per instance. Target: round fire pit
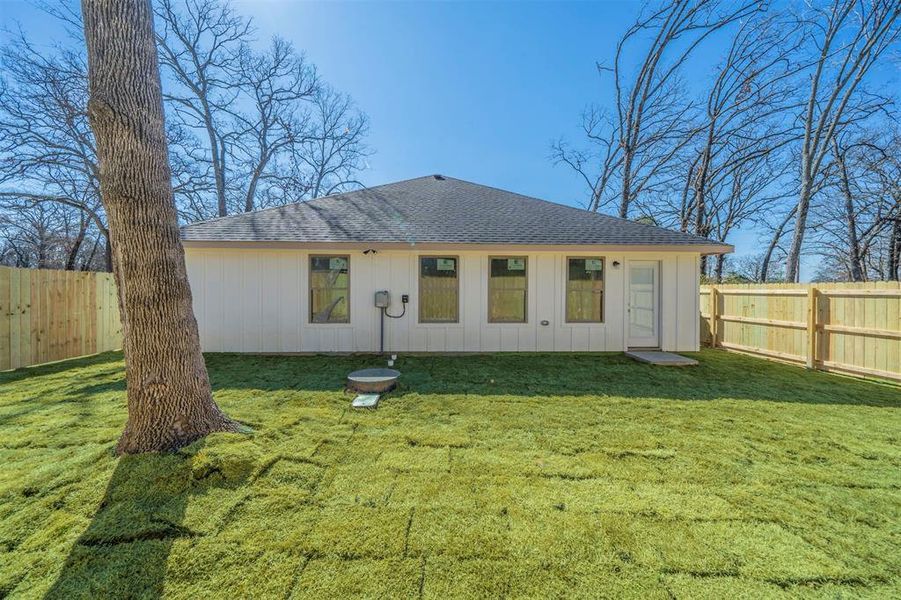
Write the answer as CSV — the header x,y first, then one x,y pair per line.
x,y
372,381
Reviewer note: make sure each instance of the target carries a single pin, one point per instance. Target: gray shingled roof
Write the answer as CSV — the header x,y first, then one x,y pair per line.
x,y
433,209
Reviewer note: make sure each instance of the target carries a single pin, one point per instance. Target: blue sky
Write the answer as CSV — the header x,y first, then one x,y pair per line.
x,y
471,90
476,91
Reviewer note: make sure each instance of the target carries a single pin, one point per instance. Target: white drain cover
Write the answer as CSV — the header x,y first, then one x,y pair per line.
x,y
366,401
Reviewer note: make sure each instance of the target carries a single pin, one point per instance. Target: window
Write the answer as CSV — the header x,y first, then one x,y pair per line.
x,y
585,290
438,289
507,279
329,289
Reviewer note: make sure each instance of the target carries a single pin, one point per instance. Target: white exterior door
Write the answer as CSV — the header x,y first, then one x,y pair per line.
x,y
643,303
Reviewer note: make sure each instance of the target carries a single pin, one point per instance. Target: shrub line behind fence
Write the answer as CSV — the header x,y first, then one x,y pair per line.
x,y
48,315
852,328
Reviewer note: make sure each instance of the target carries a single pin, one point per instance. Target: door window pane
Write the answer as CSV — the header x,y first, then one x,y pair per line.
x,y
585,290
329,289
438,289
642,304
507,287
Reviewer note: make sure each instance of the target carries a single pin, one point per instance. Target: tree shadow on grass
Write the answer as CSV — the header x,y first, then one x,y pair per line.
x,y
111,360
123,552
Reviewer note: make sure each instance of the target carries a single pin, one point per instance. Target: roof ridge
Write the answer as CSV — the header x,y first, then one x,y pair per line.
x,y
582,210
437,208
299,202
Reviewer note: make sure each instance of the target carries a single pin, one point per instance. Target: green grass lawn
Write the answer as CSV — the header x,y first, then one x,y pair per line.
x,y
482,476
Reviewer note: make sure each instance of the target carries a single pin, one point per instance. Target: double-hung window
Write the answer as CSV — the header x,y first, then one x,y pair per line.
x,y
507,289
439,289
585,289
329,289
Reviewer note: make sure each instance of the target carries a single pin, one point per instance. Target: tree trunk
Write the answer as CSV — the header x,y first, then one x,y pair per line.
x,y
720,263
88,262
217,154
42,247
250,197
686,209
108,253
854,258
76,245
169,400
700,186
894,258
700,226
793,261
855,261
768,255
626,193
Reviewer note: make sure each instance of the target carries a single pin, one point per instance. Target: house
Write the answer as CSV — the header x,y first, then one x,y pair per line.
x,y
466,267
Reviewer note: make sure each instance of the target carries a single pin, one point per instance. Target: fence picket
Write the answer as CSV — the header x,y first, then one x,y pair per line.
x,y
850,328
48,315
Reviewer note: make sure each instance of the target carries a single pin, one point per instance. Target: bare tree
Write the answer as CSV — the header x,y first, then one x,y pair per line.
x,y
885,254
850,37
749,195
652,119
278,134
599,164
199,41
743,124
333,152
169,399
48,234
893,264
28,238
273,131
47,150
277,83
776,238
743,137
891,183
853,223
748,269
855,260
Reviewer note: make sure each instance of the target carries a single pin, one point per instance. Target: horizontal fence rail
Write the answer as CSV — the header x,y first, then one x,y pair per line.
x,y
48,315
850,328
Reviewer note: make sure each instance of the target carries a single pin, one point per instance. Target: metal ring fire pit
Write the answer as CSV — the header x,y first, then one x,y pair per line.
x,y
372,381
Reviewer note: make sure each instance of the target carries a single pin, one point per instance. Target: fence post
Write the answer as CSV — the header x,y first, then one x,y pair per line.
x,y
812,327
713,304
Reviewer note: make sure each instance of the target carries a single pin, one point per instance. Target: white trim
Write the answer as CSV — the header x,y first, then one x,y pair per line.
x,y
432,247
643,342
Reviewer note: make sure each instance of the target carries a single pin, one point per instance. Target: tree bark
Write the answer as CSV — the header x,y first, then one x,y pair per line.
x,y
76,245
793,261
217,153
169,399
720,263
108,253
894,261
774,241
626,193
854,259
87,262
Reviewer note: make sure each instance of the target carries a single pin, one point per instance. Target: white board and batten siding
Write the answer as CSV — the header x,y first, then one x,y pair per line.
x,y
257,300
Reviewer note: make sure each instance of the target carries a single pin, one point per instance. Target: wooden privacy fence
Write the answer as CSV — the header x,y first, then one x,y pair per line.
x,y
846,327
53,315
